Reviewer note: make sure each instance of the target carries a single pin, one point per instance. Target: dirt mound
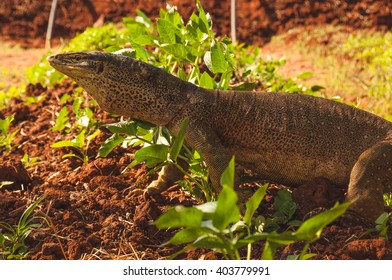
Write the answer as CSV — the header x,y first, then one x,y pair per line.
x,y
25,21
93,211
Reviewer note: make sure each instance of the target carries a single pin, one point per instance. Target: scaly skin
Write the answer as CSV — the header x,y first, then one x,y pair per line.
x,y
285,138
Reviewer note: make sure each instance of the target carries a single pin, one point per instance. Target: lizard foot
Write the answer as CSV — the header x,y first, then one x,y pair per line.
x,y
157,186
153,188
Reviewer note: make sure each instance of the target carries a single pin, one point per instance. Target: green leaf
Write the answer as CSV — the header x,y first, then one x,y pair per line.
x,y
167,32
269,251
172,15
135,28
253,203
62,120
252,238
227,179
305,75
142,18
187,235
128,128
152,155
216,59
141,53
311,229
195,33
246,86
109,144
284,204
77,143
180,216
79,140
316,88
205,22
225,80
206,81
208,207
143,40
5,124
178,141
222,217
113,49
64,143
181,52
227,211
181,73
308,256
383,219
26,214
209,242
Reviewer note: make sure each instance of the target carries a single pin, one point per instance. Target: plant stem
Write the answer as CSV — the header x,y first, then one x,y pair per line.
x,y
304,249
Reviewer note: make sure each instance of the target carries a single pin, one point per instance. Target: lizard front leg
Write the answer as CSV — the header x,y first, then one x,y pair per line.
x,y
167,177
203,138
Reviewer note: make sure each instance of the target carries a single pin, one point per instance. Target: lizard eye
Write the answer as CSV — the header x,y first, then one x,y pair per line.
x,y
99,67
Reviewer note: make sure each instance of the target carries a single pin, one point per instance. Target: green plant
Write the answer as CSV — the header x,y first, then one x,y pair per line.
x,y
388,200
30,161
12,92
83,123
285,208
6,137
12,241
308,232
62,120
211,226
80,144
382,225
34,99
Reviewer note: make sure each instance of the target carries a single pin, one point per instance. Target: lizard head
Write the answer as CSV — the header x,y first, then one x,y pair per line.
x,y
124,86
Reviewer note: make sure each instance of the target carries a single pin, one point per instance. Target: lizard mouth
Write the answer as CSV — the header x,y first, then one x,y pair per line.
x,y
68,62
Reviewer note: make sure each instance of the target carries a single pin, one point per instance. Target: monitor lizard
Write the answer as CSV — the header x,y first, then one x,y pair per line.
x,y
286,138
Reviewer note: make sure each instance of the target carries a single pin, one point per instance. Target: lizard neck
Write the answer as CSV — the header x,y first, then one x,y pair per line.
x,y
138,90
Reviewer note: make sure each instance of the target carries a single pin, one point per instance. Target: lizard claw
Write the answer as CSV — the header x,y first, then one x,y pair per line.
x,y
155,187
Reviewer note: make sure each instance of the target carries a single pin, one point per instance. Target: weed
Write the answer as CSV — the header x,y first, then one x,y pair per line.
x,y
211,226
12,241
78,145
388,200
34,99
381,226
6,137
12,92
285,208
30,161
62,120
